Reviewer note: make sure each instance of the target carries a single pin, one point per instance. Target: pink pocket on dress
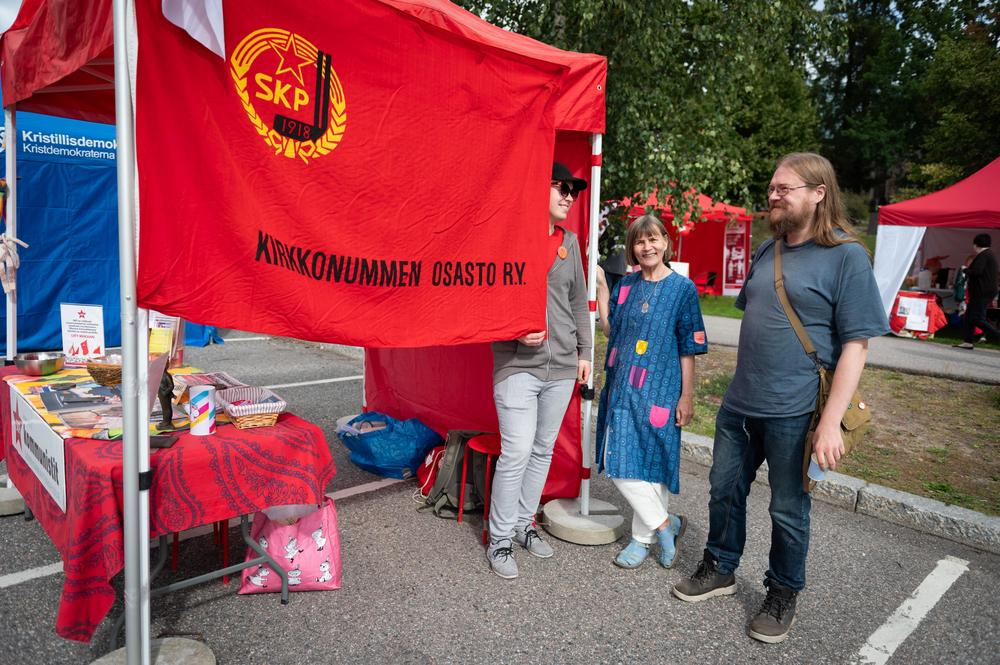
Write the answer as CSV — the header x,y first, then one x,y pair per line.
x,y
623,294
658,416
637,376
612,355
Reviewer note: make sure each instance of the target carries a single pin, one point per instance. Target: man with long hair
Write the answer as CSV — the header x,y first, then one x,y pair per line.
x,y
769,405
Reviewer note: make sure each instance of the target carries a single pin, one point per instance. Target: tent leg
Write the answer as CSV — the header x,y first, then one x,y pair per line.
x,y
10,129
585,521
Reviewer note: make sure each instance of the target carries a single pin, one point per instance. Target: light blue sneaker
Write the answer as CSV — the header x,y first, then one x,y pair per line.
x,y
500,554
668,538
633,555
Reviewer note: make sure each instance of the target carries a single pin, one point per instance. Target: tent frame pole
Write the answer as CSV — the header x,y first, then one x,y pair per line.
x,y
592,255
136,500
10,141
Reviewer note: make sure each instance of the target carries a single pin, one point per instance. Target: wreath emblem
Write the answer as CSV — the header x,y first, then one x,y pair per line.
x,y
282,75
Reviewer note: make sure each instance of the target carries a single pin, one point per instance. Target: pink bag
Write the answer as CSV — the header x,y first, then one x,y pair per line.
x,y
308,548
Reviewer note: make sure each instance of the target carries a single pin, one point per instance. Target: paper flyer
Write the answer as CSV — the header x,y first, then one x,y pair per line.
x,y
82,331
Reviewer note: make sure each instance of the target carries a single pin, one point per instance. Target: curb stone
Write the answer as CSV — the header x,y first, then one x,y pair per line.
x,y
960,525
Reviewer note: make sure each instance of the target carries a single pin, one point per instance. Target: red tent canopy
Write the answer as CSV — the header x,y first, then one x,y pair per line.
x,y
970,203
57,59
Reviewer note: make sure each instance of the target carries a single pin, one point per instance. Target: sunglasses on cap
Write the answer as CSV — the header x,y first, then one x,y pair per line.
x,y
565,189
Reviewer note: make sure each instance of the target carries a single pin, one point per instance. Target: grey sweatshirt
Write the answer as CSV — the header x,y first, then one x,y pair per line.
x,y
567,322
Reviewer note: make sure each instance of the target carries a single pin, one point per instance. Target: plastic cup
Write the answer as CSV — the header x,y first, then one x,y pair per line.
x,y
815,472
201,410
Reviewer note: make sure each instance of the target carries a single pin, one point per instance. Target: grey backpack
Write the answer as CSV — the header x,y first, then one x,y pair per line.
x,y
443,496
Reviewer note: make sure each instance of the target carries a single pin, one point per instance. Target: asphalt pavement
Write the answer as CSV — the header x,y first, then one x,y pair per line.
x,y
416,588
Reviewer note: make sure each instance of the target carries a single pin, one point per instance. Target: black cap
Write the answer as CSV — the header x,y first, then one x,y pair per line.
x,y
560,173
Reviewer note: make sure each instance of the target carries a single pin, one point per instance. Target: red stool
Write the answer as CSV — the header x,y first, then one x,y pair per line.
x,y
489,445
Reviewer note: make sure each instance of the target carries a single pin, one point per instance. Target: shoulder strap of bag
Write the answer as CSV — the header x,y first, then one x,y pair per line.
x,y
793,318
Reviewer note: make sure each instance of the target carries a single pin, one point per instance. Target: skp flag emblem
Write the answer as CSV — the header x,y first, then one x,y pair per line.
x,y
290,92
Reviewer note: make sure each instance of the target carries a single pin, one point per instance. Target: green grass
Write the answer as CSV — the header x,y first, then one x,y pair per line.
x,y
720,306
950,335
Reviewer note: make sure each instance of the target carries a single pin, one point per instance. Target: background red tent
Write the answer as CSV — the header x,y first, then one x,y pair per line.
x,y
716,247
940,224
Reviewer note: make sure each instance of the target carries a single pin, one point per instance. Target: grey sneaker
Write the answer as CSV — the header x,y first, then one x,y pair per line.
x,y
776,616
528,538
500,554
707,582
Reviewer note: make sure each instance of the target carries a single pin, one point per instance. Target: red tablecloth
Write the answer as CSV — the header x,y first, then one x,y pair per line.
x,y
199,480
935,317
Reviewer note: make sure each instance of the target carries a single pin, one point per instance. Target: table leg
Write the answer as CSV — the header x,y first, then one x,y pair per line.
x,y
224,529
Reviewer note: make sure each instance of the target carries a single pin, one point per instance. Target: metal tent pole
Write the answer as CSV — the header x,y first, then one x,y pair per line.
x,y
10,139
584,521
136,501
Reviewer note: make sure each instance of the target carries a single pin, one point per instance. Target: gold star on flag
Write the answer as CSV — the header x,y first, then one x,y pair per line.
x,y
290,54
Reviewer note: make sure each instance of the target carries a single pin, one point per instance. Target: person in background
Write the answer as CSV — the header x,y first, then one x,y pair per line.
x,y
533,379
768,408
981,284
655,329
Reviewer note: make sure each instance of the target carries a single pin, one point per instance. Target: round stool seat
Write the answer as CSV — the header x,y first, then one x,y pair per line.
x,y
487,444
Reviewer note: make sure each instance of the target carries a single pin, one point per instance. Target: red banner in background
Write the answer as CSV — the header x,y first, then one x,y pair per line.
x,y
335,181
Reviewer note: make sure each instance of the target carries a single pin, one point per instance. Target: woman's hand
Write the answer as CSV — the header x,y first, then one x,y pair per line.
x,y
583,368
532,339
685,409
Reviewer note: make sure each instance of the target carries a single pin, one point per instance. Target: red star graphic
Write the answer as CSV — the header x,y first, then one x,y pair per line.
x,y
292,52
17,425
82,314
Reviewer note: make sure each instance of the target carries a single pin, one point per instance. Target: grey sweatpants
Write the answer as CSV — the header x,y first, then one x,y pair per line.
x,y
530,412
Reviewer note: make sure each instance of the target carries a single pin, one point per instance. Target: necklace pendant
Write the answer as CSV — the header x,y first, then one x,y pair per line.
x,y
645,307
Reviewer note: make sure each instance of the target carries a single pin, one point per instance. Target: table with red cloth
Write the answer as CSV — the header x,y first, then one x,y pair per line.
x,y
935,316
199,480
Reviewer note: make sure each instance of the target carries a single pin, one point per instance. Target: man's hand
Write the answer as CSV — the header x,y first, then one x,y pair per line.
x,y
828,446
532,339
685,409
583,368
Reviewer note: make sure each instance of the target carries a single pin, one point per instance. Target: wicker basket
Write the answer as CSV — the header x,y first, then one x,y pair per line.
x,y
248,406
106,374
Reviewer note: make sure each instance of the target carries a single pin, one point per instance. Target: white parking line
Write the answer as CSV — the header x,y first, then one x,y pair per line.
x,y
884,641
53,568
245,339
316,382
30,574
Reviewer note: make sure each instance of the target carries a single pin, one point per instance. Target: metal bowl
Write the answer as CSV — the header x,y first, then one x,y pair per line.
x,y
40,364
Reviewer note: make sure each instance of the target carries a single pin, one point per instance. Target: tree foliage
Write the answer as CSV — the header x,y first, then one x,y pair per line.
x,y
700,94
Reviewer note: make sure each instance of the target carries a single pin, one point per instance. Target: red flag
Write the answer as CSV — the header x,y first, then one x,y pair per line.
x,y
348,173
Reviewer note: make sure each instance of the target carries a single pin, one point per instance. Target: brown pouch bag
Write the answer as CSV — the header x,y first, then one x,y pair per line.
x,y
858,415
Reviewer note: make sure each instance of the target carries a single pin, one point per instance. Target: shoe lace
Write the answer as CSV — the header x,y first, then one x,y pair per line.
x,y
704,571
775,604
531,534
505,552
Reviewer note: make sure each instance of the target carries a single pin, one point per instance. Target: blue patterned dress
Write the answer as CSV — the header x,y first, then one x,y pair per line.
x,y
636,421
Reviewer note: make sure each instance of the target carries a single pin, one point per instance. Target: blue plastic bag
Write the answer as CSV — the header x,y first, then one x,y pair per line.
x,y
394,451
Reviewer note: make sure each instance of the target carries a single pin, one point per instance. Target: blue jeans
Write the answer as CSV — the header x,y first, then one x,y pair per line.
x,y
742,443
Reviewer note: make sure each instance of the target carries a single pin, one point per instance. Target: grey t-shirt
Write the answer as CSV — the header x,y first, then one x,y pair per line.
x,y
833,291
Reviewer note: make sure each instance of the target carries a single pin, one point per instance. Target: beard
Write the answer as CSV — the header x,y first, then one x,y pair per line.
x,y
783,221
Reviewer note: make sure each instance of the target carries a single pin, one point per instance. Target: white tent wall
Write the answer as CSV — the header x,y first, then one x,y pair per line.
x,y
895,247
902,250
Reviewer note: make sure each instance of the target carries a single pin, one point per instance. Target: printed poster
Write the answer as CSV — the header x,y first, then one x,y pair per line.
x,y
82,331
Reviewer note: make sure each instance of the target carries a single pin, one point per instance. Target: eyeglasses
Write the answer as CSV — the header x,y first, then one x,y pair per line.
x,y
565,189
782,190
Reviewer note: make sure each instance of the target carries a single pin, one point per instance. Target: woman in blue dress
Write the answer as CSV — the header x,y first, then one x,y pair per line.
x,y
655,330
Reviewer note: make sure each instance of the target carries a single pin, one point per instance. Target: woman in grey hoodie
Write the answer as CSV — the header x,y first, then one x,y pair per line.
x,y
533,379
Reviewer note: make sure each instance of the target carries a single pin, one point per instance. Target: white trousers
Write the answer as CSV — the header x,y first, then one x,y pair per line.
x,y
649,506
530,412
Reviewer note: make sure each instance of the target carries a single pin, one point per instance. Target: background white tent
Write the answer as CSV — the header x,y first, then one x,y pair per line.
x,y
941,224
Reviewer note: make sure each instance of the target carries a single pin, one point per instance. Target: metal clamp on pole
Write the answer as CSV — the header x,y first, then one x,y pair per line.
x,y
587,392
145,480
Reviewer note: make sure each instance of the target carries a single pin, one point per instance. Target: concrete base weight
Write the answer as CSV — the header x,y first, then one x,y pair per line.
x,y
603,525
168,651
11,501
